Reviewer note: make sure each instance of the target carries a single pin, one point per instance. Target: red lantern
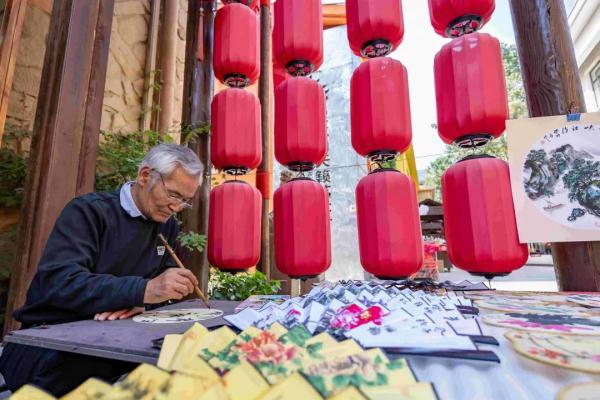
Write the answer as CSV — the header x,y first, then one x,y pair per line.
x,y
253,4
472,105
375,28
300,124
234,226
454,18
235,144
236,58
380,109
479,218
298,35
389,227
301,228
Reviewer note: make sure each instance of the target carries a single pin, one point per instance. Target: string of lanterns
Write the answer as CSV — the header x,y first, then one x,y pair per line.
x,y
472,107
236,142
389,228
301,206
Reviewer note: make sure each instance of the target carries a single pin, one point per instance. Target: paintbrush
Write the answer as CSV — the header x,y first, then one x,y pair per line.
x,y
197,290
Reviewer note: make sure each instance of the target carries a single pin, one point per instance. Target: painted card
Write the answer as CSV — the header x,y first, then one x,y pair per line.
x,y
571,352
358,370
177,316
555,177
564,324
587,300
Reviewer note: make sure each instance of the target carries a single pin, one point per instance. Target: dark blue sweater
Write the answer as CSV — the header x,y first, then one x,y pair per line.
x,y
98,258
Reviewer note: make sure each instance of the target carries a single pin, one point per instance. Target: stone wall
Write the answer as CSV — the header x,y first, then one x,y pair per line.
x,y
28,69
122,109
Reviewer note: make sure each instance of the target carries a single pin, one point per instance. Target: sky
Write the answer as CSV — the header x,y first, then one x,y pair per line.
x,y
417,52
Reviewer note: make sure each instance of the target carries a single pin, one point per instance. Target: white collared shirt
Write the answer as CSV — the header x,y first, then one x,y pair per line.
x,y
127,202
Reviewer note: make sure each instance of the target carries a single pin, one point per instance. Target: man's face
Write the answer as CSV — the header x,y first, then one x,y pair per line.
x,y
162,196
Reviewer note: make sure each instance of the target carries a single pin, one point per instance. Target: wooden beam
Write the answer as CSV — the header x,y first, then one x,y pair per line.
x,y
552,86
264,173
10,37
95,99
168,65
64,130
198,87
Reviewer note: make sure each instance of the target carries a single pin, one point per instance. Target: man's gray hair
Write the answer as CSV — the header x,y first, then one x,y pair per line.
x,y
166,157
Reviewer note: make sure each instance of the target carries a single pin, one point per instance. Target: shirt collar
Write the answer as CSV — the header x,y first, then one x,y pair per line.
x,y
127,202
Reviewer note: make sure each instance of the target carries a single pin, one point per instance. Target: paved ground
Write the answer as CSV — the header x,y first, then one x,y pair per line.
x,y
537,275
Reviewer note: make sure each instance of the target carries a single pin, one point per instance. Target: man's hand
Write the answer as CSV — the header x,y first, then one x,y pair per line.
x,y
121,314
174,283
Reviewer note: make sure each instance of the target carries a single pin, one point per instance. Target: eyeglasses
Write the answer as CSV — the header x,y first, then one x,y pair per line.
x,y
179,201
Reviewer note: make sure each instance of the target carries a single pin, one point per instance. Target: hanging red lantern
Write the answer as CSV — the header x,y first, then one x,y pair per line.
x,y
479,217
375,28
253,4
236,142
300,124
454,18
236,58
389,227
380,109
234,226
472,105
298,35
301,228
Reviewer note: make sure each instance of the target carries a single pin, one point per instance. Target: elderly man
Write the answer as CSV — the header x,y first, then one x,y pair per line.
x,y
103,260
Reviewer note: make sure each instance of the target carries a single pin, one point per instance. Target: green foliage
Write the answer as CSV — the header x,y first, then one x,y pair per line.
x,y
579,178
226,286
517,104
190,133
119,156
13,167
192,241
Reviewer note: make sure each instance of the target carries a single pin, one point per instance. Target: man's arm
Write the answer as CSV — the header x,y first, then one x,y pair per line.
x,y
65,274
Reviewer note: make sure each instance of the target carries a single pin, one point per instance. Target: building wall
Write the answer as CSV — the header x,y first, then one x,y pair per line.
x,y
584,21
122,108
28,69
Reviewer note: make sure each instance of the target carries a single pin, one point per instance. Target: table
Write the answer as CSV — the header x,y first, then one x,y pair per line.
x,y
119,340
516,377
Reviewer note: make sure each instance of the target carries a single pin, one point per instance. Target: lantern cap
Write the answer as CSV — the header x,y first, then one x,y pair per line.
x,y
237,81
299,68
382,155
464,25
376,48
475,157
473,140
235,181
489,276
378,170
301,166
236,171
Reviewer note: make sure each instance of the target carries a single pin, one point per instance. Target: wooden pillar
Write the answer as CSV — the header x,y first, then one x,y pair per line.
x,y
66,129
552,86
168,65
10,36
198,87
264,173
